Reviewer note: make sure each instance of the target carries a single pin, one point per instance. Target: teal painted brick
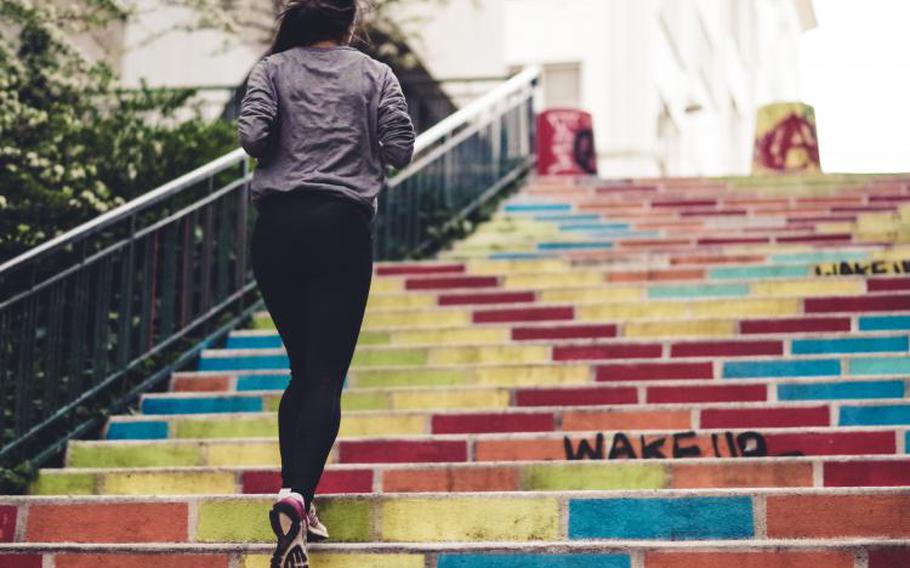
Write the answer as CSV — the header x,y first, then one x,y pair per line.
x,y
530,207
884,323
515,255
262,382
145,430
571,217
690,518
202,405
841,390
880,366
699,291
887,415
772,368
819,257
254,342
894,344
753,272
578,245
243,363
534,561
594,226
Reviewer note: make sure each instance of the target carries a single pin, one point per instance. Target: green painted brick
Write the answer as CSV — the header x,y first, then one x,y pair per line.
x,y
234,520
365,401
428,377
374,338
262,321
63,483
582,476
235,428
349,520
133,455
270,402
378,357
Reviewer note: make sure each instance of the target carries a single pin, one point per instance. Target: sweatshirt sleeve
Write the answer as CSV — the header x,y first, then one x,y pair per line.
x,y
258,111
396,131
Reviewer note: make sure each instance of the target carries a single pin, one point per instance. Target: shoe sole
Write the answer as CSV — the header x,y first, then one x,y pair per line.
x,y
290,552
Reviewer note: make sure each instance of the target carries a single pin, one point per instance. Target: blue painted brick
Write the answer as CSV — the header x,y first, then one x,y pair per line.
x,y
771,368
889,415
593,226
202,405
569,217
578,245
819,257
522,207
692,518
534,561
880,366
254,342
515,255
884,323
146,430
841,390
894,344
243,362
262,382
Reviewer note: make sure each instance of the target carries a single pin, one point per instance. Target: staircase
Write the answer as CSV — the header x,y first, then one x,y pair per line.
x,y
642,374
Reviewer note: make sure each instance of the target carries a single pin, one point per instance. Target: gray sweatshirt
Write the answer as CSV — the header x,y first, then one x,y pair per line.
x,y
324,119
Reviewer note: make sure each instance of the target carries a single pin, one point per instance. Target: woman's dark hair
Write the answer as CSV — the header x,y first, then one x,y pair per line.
x,y
305,22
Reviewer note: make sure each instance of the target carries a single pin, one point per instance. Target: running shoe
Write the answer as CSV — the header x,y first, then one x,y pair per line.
x,y
288,517
316,531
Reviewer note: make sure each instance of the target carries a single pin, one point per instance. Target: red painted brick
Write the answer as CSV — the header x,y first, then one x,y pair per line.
x,y
833,237
657,275
524,314
118,560
718,259
685,203
332,481
822,219
402,451
492,422
765,417
200,384
614,351
7,523
452,282
752,559
107,522
832,443
889,557
654,371
836,516
720,393
884,303
20,560
563,332
649,243
576,396
726,348
888,284
888,198
714,213
794,325
404,269
497,298
733,241
451,479
863,208
867,474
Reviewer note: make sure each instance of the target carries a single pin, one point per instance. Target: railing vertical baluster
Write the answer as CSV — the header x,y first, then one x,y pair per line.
x,y
125,309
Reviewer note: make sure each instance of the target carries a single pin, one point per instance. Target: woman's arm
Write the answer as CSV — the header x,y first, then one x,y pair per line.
x,y
258,111
396,131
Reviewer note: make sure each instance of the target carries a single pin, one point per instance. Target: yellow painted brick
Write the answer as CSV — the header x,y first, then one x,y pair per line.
x,y
533,375
450,399
641,310
470,335
383,425
469,519
599,294
484,266
493,247
167,483
815,287
435,318
243,453
896,253
743,308
401,301
829,228
683,328
490,354
386,284
553,280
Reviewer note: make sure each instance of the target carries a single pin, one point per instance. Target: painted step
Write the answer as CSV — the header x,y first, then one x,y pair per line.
x,y
423,398
612,475
672,515
807,553
542,419
463,448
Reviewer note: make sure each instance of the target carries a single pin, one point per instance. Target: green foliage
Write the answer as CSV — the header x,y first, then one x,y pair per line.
x,y
72,145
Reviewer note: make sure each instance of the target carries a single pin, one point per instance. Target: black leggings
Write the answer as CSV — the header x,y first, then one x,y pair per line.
x,y
312,255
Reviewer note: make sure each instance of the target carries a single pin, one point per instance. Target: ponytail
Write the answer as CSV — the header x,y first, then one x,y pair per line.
x,y
305,22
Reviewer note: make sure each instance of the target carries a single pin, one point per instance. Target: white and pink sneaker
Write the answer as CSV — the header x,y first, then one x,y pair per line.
x,y
288,518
